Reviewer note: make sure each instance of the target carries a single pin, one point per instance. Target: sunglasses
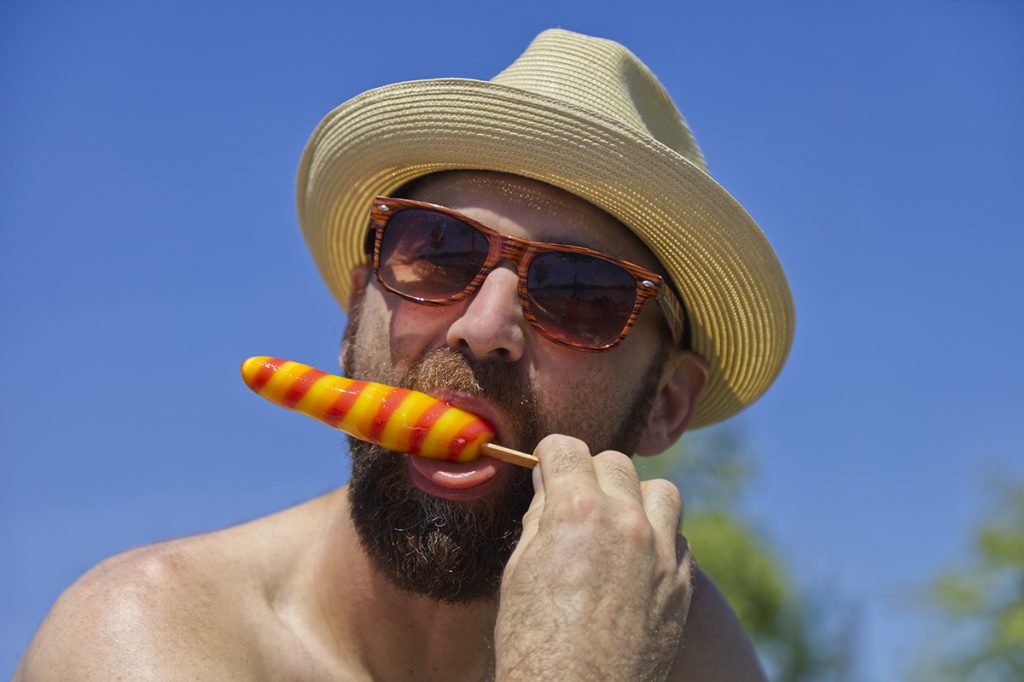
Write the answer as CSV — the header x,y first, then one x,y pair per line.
x,y
572,295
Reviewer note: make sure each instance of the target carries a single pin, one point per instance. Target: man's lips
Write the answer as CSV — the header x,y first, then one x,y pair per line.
x,y
455,480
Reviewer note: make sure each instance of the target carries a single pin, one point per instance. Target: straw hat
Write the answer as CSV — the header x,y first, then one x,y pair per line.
x,y
583,114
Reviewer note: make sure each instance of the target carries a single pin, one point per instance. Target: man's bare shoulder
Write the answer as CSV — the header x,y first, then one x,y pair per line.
x,y
196,606
137,613
714,644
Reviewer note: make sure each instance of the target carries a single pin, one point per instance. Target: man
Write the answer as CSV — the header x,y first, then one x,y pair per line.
x,y
547,251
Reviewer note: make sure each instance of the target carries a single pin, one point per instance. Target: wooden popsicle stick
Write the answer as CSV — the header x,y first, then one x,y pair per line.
x,y
509,455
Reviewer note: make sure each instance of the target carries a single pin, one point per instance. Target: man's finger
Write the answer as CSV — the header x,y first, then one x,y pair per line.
x,y
664,507
563,457
618,476
531,519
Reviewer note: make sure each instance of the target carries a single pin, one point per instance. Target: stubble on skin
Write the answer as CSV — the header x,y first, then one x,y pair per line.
x,y
456,551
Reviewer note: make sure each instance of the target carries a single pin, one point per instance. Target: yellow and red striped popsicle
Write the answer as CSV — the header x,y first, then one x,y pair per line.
x,y
398,419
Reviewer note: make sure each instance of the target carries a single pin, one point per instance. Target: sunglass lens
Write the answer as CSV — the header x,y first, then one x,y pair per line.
x,y
580,299
429,255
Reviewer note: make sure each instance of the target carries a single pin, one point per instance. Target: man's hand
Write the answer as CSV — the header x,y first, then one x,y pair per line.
x,y
600,583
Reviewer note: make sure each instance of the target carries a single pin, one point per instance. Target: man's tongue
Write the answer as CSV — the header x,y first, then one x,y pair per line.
x,y
455,475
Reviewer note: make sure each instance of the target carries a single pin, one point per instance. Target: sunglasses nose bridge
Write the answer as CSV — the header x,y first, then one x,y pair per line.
x,y
513,249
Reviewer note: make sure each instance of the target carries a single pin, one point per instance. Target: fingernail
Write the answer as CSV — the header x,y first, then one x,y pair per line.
x,y
538,480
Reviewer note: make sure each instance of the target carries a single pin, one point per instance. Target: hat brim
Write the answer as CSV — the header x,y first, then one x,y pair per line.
x,y
731,283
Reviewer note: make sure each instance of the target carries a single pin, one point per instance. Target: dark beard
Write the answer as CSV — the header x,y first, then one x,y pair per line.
x,y
452,551
455,551
442,549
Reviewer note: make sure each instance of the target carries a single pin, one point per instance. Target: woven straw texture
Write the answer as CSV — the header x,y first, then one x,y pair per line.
x,y
583,114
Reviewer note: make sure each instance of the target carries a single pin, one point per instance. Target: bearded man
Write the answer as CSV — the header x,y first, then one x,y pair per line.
x,y
547,251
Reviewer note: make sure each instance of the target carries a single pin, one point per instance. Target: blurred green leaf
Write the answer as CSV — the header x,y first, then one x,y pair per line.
x,y
957,595
742,567
982,601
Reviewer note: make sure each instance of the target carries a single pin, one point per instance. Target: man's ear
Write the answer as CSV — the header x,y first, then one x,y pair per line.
x,y
682,382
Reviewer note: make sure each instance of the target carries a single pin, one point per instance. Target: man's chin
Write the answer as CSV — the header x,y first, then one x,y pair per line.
x,y
440,546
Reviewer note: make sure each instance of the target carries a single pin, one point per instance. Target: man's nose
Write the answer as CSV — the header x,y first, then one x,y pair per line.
x,y
491,325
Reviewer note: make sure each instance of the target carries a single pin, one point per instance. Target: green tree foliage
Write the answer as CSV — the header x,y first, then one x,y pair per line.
x,y
982,601
797,638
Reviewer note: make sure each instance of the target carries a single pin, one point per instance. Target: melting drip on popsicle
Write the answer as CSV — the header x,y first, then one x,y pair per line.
x,y
398,419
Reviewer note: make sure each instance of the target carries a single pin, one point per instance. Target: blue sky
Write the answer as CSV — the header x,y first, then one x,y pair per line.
x,y
149,243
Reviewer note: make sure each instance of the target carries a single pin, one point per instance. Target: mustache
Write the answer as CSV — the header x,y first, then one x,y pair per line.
x,y
448,368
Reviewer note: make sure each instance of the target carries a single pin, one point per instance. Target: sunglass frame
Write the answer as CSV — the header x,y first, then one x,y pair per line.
x,y
520,251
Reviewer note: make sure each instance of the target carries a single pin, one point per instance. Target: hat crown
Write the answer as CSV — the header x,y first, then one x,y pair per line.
x,y
606,79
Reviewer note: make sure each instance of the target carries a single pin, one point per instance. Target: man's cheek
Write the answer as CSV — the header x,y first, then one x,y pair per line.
x,y
415,329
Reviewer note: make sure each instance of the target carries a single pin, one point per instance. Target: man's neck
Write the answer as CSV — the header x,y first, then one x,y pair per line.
x,y
368,625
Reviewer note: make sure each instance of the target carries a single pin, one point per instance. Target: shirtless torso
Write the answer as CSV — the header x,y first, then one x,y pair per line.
x,y
292,597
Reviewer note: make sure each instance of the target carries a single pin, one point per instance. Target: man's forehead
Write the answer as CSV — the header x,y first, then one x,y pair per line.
x,y
533,209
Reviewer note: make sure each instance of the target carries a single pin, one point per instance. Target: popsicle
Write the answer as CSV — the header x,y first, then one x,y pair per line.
x,y
398,419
